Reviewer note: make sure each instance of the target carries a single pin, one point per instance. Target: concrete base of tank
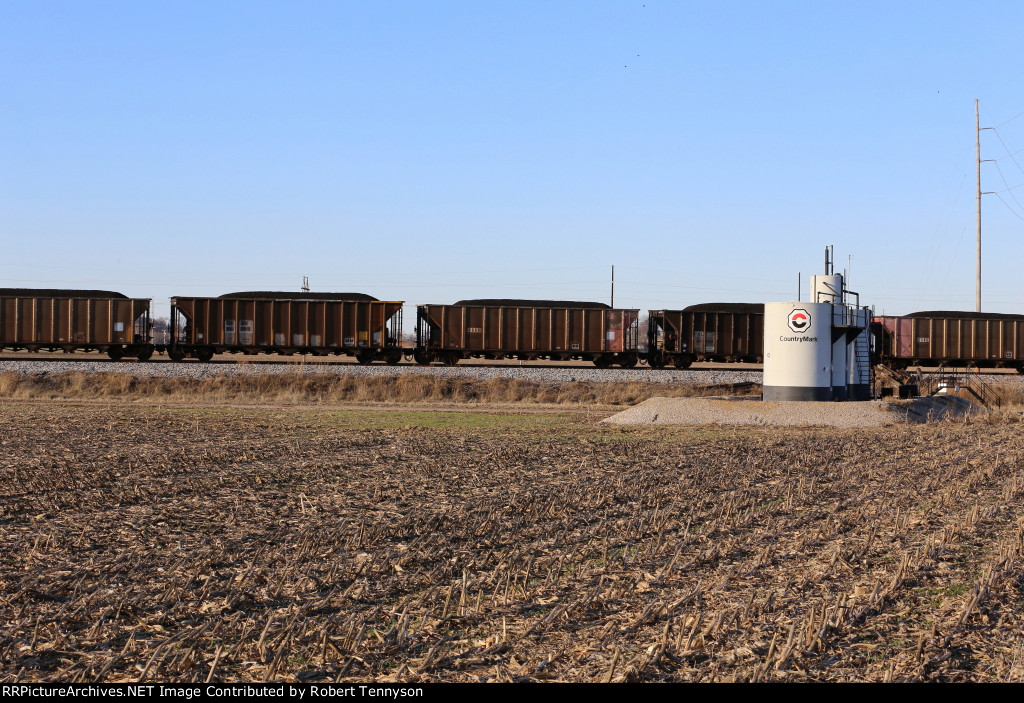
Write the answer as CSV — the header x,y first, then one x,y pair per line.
x,y
755,412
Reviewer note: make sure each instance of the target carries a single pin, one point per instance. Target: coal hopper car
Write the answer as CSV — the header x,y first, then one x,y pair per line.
x,y
949,338
75,320
723,332
527,330
352,324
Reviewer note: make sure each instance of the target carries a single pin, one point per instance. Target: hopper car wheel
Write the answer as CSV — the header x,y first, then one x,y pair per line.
x,y
422,358
205,355
144,354
115,353
451,359
683,362
656,360
603,362
176,354
364,358
393,357
628,362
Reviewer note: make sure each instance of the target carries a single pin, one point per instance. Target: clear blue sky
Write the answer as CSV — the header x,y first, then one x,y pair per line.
x,y
432,151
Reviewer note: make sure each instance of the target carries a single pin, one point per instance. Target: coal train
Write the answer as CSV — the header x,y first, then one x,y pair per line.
x,y
360,326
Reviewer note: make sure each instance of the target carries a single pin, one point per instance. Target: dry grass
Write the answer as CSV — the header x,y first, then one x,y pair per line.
x,y
334,389
1010,394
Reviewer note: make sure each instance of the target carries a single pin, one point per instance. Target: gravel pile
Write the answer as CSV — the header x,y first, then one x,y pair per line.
x,y
743,411
526,373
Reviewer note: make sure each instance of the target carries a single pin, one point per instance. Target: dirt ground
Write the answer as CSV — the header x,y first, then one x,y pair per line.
x,y
213,543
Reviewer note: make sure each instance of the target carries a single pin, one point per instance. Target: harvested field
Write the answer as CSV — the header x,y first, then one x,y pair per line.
x,y
209,543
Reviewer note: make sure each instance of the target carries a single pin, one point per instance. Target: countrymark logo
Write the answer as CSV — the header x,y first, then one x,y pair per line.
x,y
799,320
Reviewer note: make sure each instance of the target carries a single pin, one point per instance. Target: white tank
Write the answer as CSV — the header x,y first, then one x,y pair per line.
x,y
827,288
798,351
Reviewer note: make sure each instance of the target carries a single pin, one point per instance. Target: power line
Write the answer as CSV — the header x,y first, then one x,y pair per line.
x,y
999,136
1009,120
1008,190
1008,156
1017,214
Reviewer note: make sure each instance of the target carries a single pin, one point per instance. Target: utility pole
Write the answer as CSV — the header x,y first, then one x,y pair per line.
x,y
977,153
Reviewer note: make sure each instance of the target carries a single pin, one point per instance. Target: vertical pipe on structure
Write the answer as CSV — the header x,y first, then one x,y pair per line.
x,y
977,153
613,286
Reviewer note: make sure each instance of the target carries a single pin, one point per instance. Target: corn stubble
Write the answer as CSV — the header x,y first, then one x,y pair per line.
x,y
146,545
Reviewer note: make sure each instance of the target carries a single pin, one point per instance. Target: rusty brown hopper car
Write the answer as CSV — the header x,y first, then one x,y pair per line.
x,y
988,340
267,322
74,320
707,332
527,329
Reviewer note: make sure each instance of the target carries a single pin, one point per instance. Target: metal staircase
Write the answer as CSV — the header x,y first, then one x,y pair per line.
x,y
962,382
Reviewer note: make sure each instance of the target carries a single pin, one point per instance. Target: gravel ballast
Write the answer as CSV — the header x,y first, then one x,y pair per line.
x,y
744,411
542,374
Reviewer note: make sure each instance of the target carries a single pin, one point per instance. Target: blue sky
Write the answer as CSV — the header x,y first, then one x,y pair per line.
x,y
433,151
